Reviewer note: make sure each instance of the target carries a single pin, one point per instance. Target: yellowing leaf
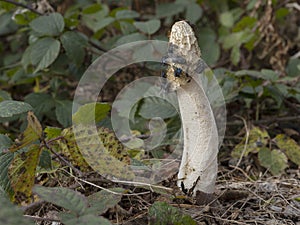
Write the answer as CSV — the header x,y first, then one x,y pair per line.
x,y
22,173
111,160
32,133
69,148
108,159
289,147
258,138
52,132
91,113
274,160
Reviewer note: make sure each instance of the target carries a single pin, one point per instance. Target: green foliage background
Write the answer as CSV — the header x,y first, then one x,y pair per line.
x,y
252,47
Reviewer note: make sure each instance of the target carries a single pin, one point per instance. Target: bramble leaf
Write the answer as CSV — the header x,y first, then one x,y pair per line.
x,y
32,133
22,173
50,25
10,214
74,44
101,201
289,147
149,27
258,138
11,108
274,160
91,113
64,197
43,52
85,150
5,161
63,112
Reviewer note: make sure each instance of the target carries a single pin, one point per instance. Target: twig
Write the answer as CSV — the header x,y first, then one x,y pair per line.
x,y
31,208
246,142
272,120
22,5
105,189
54,139
224,220
113,192
143,184
46,144
239,169
41,219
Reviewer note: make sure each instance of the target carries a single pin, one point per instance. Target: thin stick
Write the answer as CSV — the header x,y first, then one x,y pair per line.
x,y
41,219
45,144
246,141
105,189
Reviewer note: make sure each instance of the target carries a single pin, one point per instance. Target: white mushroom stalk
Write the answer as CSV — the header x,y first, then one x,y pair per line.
x,y
198,168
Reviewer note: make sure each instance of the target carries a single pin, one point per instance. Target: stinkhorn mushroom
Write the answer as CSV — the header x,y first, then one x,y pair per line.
x,y
198,168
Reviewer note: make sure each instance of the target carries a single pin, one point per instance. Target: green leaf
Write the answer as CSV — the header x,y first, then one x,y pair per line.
x,y
74,45
92,8
49,25
226,19
193,12
26,60
11,214
156,107
98,20
22,173
293,67
265,74
90,113
11,108
43,52
168,9
4,95
42,103
7,6
274,160
5,161
161,213
86,219
235,55
5,142
45,161
64,197
275,93
103,23
245,22
127,27
149,27
100,202
237,38
52,132
281,13
7,25
130,38
271,75
257,139
24,17
63,112
290,147
126,14
210,48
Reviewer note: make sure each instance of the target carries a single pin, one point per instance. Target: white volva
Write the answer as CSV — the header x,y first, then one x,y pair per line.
x,y
198,168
